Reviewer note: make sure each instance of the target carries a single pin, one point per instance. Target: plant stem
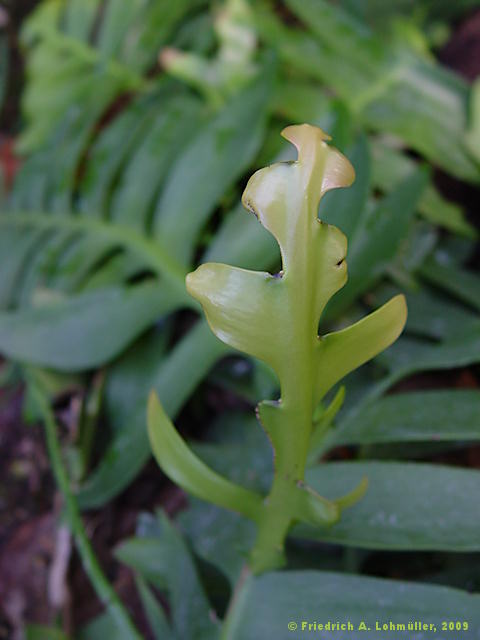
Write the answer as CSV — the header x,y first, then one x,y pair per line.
x,y
291,422
103,588
92,406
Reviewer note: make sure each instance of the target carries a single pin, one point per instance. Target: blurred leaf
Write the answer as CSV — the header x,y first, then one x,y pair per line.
x,y
190,610
233,64
101,627
112,237
222,538
406,417
195,33
153,610
149,557
38,632
437,317
410,355
148,168
407,506
243,242
70,255
223,148
394,91
236,436
298,101
15,246
378,13
410,108
376,240
472,135
129,448
346,208
135,34
134,155
250,380
270,602
463,285
80,54
430,313
389,87
390,166
84,331
420,241
60,74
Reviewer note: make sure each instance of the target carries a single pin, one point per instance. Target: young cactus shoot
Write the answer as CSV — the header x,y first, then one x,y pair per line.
x,y
275,318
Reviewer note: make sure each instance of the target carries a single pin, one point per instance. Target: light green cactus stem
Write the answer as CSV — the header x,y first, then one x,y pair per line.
x,y
275,318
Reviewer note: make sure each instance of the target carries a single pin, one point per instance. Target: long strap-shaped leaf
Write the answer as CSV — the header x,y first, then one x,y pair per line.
x,y
276,318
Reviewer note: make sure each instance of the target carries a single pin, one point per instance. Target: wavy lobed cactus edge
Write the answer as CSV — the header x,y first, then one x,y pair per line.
x,y
275,317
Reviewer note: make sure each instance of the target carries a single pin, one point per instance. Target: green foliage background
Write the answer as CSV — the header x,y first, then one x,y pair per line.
x,y
132,176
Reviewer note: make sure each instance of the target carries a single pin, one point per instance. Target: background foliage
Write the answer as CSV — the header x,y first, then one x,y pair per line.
x,y
132,167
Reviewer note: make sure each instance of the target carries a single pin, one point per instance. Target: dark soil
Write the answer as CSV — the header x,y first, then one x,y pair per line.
x,y
12,14
27,522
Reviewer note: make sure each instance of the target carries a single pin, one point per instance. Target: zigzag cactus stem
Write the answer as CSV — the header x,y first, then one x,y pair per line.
x,y
288,422
276,319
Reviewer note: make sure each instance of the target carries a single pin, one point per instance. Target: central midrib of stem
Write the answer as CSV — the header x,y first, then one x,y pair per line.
x,y
297,404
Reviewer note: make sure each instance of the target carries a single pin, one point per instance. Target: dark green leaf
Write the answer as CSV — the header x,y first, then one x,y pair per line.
x,y
83,331
220,537
38,632
267,605
191,616
129,449
102,627
431,314
390,166
154,611
407,506
463,285
377,239
243,242
224,148
149,556
391,88
346,208
408,356
423,416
